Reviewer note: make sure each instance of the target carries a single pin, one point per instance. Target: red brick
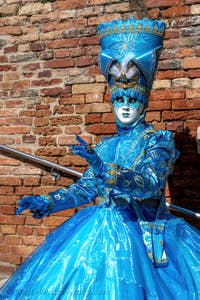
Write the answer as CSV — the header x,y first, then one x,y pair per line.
x,y
66,120
52,92
75,99
10,49
154,13
59,63
31,181
170,74
40,231
32,221
47,141
153,116
21,84
68,109
37,46
24,230
44,73
7,85
32,240
94,98
70,4
159,105
86,41
50,152
84,61
183,52
47,131
73,130
40,122
163,3
4,250
62,43
6,140
29,139
167,94
108,118
11,220
14,259
93,108
191,63
176,11
74,160
4,190
193,73
74,52
6,198
3,59
43,82
191,1
10,181
174,125
93,118
99,2
11,30
61,53
15,130
54,221
31,66
68,213
22,250
180,115
15,103
71,139
101,128
6,68
8,229
193,93
7,269
12,240
23,191
103,18
7,209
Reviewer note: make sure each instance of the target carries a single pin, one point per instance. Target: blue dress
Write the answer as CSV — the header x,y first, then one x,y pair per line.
x,y
128,246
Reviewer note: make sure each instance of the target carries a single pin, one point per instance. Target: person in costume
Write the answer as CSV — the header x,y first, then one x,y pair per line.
x,y
128,246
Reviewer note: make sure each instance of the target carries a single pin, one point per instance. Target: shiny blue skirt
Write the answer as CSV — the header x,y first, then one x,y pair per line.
x,y
100,254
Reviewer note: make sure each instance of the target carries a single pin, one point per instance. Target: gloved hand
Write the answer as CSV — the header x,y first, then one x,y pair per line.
x,y
38,206
85,151
119,198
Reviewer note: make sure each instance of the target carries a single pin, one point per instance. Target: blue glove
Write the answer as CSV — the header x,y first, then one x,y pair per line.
x,y
38,206
119,198
89,154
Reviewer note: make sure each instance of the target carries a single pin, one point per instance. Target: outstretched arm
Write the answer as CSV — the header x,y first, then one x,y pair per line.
x,y
82,192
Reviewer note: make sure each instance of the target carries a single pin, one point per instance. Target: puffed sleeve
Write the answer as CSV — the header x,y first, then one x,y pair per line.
x,y
82,192
148,176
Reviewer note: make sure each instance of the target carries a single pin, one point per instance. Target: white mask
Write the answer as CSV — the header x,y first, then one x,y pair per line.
x,y
127,110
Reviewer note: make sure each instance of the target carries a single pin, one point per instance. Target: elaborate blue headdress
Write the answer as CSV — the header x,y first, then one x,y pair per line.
x,y
129,55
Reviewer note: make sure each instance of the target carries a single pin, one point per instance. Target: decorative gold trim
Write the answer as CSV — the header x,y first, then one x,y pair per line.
x,y
130,29
142,89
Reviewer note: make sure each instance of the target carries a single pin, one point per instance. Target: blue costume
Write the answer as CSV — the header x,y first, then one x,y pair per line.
x,y
128,246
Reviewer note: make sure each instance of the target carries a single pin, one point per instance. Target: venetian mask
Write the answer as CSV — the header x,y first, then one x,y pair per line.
x,y
127,110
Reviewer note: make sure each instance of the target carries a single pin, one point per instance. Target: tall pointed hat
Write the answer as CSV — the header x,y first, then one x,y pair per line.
x,y
129,55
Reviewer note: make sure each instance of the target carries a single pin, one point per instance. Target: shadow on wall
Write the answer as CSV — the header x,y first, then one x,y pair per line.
x,y
184,184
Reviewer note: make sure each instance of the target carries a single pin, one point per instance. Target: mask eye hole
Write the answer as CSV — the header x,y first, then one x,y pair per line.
x,y
119,99
132,100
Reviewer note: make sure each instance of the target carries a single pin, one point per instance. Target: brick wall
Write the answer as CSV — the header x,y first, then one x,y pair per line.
x,y
51,88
